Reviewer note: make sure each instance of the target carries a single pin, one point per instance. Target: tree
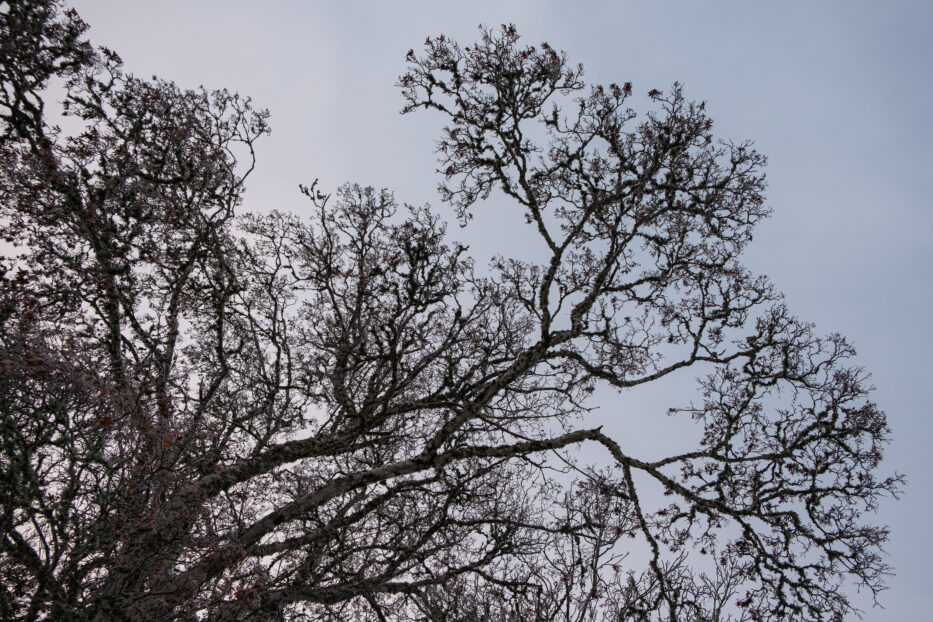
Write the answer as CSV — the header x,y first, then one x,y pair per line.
x,y
212,416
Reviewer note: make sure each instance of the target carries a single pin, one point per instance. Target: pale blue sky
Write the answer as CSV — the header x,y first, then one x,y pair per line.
x,y
836,94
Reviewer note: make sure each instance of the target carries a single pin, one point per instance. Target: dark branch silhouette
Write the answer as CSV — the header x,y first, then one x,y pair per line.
x,y
221,417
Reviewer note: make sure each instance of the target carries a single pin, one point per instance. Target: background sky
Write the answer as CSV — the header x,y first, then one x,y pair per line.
x,y
836,94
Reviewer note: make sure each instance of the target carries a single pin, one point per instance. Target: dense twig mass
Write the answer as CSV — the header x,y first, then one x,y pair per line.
x,y
214,417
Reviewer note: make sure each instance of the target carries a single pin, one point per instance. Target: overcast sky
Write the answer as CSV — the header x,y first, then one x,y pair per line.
x,y
836,94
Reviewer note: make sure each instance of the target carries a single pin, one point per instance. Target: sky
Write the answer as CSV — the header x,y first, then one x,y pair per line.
x,y
836,94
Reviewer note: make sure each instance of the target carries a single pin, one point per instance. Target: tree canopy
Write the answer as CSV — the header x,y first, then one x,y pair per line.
x,y
214,415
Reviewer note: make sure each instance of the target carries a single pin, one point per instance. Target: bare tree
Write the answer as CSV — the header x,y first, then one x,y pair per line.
x,y
267,417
